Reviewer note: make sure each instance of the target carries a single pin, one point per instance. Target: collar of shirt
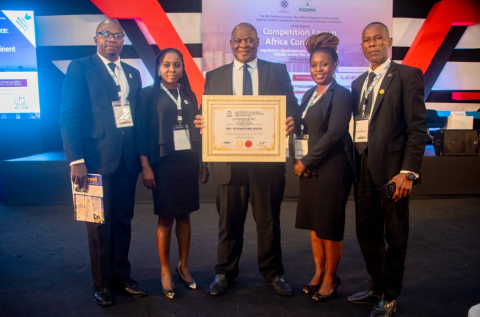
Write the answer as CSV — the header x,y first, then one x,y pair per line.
x,y
379,69
106,61
238,65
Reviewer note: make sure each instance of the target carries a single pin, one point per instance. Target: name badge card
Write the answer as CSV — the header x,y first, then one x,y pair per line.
x,y
300,144
361,129
181,140
122,113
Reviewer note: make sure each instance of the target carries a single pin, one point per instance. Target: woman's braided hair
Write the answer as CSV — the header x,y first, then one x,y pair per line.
x,y
323,42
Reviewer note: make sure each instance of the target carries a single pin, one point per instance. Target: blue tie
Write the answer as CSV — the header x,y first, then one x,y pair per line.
x,y
112,67
247,81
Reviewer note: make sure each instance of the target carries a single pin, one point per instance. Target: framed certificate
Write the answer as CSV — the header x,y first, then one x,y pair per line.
x,y
244,128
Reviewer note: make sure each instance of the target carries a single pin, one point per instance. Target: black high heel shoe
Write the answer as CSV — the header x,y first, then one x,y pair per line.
x,y
170,294
190,285
321,298
310,289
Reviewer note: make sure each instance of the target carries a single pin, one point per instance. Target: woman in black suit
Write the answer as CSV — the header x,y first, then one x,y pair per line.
x,y
324,166
169,147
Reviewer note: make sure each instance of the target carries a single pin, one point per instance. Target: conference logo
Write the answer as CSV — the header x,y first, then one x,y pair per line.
x,y
284,4
27,17
307,7
20,102
229,114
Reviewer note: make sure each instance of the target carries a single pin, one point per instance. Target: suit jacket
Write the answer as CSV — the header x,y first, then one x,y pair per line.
x,y
273,79
397,128
331,132
147,125
87,121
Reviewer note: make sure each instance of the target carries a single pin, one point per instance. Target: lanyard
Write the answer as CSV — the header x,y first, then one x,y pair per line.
x,y
178,102
368,90
313,99
116,80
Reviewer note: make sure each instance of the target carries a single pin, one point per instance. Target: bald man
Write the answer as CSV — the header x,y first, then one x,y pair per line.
x,y
100,142
260,183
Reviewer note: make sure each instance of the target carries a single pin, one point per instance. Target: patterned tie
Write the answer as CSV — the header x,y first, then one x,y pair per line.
x,y
362,146
247,81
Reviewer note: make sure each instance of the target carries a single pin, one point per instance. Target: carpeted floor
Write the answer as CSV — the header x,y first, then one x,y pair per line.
x,y
45,266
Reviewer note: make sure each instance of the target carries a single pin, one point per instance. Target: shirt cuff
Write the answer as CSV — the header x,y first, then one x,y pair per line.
x,y
406,172
77,162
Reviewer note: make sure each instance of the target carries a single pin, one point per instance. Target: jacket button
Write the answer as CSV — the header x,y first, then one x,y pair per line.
x,y
123,132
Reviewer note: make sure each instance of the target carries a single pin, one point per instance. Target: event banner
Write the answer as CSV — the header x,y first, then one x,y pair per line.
x,y
284,25
18,66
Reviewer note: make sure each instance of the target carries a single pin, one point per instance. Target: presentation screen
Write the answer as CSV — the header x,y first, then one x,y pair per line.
x,y
284,25
18,66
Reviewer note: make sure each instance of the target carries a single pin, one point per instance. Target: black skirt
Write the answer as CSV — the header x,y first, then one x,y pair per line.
x,y
176,178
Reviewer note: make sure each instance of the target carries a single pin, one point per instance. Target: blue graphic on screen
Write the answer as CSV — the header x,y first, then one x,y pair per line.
x,y
19,97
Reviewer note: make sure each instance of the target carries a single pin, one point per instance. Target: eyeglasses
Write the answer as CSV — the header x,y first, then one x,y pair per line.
x,y
107,35
249,41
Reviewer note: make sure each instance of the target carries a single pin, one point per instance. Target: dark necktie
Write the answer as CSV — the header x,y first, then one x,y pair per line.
x,y
361,146
112,67
368,108
247,81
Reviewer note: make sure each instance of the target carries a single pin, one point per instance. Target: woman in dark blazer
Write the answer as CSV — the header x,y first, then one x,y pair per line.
x,y
325,168
169,148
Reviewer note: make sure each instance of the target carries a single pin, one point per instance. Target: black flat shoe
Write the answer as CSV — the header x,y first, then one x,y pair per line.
x,y
170,294
133,288
310,289
190,285
366,297
322,298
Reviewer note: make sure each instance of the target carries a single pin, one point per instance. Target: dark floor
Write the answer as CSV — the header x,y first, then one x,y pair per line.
x,y
45,267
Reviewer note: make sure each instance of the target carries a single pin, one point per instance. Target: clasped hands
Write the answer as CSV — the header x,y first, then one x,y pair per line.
x,y
300,170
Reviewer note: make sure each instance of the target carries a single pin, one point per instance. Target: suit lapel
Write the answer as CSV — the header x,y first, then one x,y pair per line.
x,y
387,80
262,76
105,77
132,83
227,80
327,99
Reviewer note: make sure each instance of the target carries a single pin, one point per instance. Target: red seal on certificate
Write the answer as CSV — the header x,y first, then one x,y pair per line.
x,y
248,144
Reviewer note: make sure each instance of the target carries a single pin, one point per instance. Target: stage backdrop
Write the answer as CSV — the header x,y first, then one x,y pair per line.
x,y
283,27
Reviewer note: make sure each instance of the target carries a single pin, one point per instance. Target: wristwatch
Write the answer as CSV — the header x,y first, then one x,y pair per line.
x,y
410,176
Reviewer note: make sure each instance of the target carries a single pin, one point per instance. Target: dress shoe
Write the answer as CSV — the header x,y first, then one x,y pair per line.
x,y
102,296
366,297
384,308
321,298
133,288
280,285
310,289
219,286
190,285
169,293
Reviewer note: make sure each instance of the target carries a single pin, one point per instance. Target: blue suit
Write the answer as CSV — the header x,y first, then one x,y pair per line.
x,y
88,130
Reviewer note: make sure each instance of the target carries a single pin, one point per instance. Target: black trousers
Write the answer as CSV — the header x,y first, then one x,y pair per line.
x,y
379,220
109,243
265,196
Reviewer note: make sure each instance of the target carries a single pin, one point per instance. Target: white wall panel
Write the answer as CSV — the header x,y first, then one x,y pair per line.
x,y
459,76
405,30
452,106
70,30
471,37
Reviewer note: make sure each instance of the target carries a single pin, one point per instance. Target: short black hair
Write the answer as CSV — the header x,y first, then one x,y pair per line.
x,y
378,23
105,21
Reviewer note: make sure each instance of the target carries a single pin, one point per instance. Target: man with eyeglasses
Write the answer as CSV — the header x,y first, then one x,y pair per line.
x,y
96,120
260,183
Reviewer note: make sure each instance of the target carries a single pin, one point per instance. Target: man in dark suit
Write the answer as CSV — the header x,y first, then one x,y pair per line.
x,y
390,131
261,183
98,141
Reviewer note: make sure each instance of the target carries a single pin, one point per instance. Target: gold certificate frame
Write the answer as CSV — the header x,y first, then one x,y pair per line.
x,y
244,128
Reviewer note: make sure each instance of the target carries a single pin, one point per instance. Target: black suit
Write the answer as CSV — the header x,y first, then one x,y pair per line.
x,y
88,130
261,183
396,141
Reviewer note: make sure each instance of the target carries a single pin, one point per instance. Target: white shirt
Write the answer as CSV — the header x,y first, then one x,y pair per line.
x,y
124,87
238,76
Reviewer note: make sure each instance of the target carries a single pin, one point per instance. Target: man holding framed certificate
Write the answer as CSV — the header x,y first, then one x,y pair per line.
x,y
261,181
